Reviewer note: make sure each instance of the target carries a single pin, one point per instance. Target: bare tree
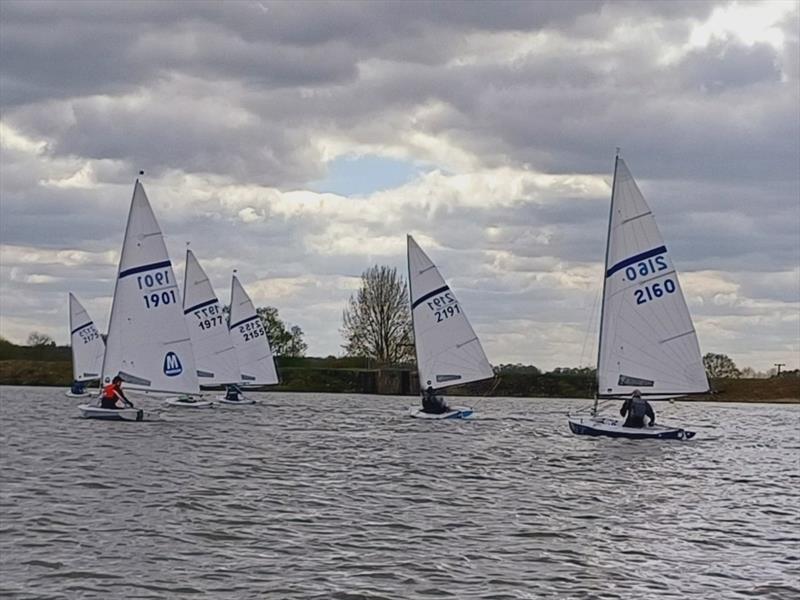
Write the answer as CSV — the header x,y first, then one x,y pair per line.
x,y
377,320
40,339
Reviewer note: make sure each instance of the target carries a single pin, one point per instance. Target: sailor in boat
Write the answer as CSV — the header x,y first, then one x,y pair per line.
x,y
233,393
433,404
637,408
78,388
113,396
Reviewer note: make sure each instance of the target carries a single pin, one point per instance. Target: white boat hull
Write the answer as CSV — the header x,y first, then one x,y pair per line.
x,y
456,412
601,426
189,402
69,394
89,411
223,400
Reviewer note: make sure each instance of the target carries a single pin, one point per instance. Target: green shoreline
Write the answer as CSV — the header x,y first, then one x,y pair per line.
x,y
355,376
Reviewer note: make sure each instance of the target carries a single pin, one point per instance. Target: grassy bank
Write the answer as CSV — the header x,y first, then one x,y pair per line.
x,y
51,365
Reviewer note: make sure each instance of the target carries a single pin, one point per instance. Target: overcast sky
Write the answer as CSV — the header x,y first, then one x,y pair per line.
x,y
300,142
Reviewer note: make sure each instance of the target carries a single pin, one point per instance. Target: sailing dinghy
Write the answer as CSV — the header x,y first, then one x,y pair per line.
x,y
148,343
214,353
256,362
87,349
448,351
647,339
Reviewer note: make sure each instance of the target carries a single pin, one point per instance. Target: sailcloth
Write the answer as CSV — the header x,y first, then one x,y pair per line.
x,y
214,353
87,345
148,342
647,339
250,339
448,351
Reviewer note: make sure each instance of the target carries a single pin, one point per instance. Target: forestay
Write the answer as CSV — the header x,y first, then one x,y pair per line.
x,y
87,345
148,341
448,351
647,339
214,353
250,339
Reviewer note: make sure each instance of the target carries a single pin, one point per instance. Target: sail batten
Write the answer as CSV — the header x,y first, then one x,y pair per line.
x,y
647,338
87,345
448,351
148,341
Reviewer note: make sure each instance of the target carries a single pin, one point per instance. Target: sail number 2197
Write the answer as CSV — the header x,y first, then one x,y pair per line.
x,y
444,306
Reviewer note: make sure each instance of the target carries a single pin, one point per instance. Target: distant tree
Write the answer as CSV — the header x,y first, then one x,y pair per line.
x,y
748,373
517,368
282,342
720,366
377,321
40,339
581,371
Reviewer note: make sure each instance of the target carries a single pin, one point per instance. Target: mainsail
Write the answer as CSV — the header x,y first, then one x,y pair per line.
x,y
250,339
87,345
448,351
647,339
214,353
148,342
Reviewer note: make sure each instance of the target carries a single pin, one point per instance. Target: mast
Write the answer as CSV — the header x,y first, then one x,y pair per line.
x,y
603,298
411,309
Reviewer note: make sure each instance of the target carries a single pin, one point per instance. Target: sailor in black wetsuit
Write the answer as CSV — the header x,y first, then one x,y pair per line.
x,y
78,388
233,393
637,408
433,404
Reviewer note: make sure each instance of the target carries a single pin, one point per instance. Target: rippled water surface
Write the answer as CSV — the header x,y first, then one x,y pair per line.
x,y
334,496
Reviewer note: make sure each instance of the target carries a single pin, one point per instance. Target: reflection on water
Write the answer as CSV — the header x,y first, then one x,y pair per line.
x,y
328,496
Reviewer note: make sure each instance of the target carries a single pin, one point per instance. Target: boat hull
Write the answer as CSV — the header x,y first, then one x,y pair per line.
x,y
243,401
602,427
457,412
69,394
111,414
189,402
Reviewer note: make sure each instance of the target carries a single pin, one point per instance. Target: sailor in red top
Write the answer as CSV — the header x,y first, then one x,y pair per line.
x,y
113,397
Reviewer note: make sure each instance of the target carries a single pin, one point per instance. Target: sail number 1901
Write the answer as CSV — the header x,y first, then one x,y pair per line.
x,y
158,297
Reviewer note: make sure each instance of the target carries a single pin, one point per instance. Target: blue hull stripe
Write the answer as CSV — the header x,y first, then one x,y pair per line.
x,y
84,326
143,268
243,321
199,306
634,259
429,295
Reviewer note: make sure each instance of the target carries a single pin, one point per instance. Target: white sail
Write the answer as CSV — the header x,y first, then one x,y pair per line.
x,y
87,345
448,351
647,339
250,339
148,342
214,353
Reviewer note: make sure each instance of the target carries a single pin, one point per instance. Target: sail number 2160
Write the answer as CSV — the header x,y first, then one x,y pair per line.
x,y
656,290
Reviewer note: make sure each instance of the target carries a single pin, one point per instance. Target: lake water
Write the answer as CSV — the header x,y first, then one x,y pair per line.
x,y
336,496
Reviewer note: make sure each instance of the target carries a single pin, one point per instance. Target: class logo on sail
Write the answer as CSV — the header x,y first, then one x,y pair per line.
x,y
172,365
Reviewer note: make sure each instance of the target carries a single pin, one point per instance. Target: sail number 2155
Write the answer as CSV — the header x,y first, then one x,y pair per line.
x,y
444,306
